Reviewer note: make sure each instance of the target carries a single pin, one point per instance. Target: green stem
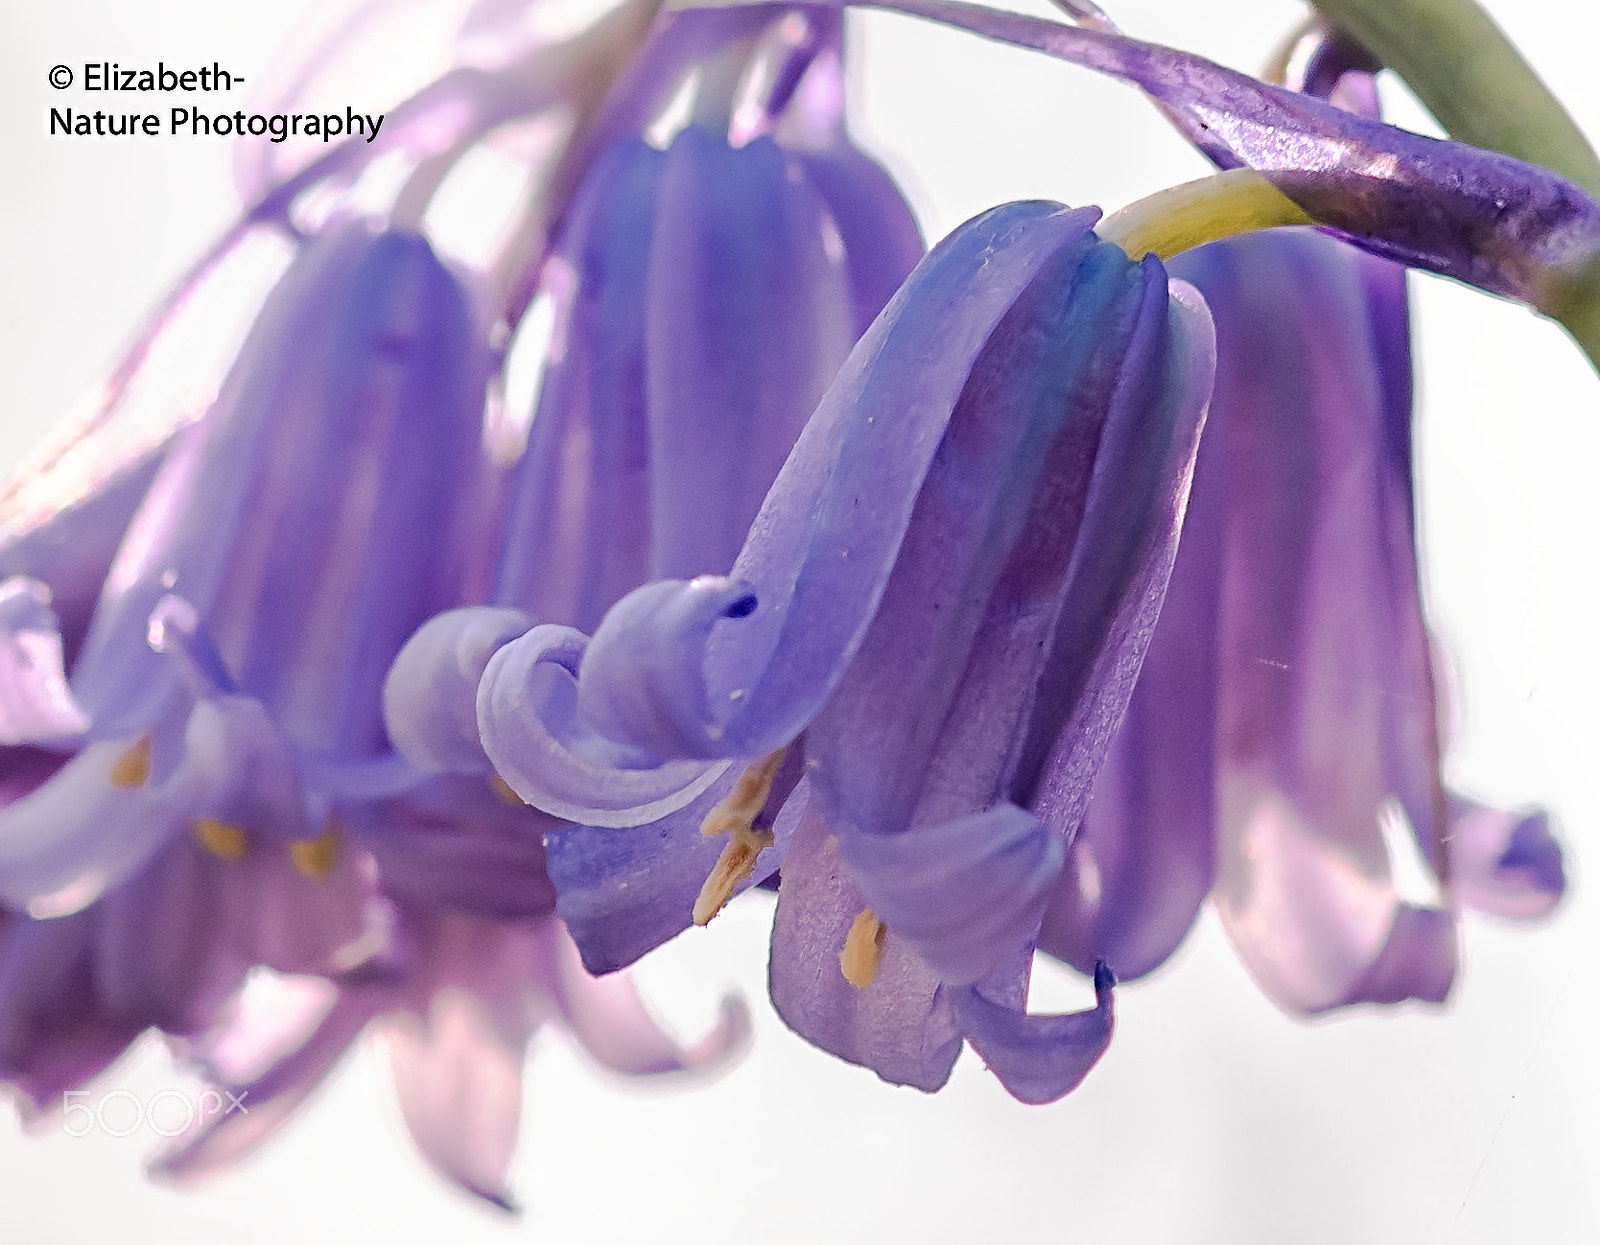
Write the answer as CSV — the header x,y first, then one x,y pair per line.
x,y
1179,218
1468,74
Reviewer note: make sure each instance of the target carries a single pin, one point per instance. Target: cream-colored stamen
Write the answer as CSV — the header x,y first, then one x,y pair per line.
x,y
315,858
735,816
223,841
737,862
132,768
863,950
741,806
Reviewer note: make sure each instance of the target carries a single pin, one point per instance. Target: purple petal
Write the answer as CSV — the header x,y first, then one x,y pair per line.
x,y
459,1083
1326,715
36,705
430,698
747,318
24,770
54,1032
1144,857
624,892
902,1025
1417,960
455,844
829,532
1123,555
69,545
1507,863
610,1021
1038,1058
156,954
578,536
966,894
551,758
313,519
81,831
1034,563
882,241
220,1137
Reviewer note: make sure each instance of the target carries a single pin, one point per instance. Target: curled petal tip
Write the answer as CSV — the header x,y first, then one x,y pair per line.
x,y
540,743
1039,1059
644,678
1509,864
430,695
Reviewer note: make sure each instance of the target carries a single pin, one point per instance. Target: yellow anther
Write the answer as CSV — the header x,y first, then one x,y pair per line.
x,y
504,790
735,817
863,950
737,862
223,841
315,858
741,806
132,768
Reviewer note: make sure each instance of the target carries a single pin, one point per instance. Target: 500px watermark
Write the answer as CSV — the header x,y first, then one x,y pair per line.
x,y
121,1112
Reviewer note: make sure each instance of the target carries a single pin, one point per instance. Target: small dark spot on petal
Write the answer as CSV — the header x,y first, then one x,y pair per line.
x,y
742,608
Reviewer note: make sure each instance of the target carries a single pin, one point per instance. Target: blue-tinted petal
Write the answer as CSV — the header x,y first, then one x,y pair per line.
x,y
902,1025
624,892
747,318
314,519
881,239
966,894
578,535
1038,1058
551,757
430,698
820,551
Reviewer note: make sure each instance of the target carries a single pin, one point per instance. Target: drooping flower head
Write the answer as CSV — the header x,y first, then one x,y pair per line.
x,y
214,780
1283,742
225,691
920,650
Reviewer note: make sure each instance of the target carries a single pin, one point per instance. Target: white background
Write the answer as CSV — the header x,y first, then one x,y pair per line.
x,y
1213,1118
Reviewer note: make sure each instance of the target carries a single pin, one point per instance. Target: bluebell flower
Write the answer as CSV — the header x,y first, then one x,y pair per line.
x,y
1288,705
227,684
288,544
225,600
469,965
915,661
708,293
176,804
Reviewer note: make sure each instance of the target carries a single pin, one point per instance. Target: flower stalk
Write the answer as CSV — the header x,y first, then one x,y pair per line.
x,y
1472,79
1180,218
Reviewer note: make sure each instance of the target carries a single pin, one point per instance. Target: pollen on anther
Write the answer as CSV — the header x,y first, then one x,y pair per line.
x,y
223,841
315,858
741,806
736,864
863,950
734,815
132,768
